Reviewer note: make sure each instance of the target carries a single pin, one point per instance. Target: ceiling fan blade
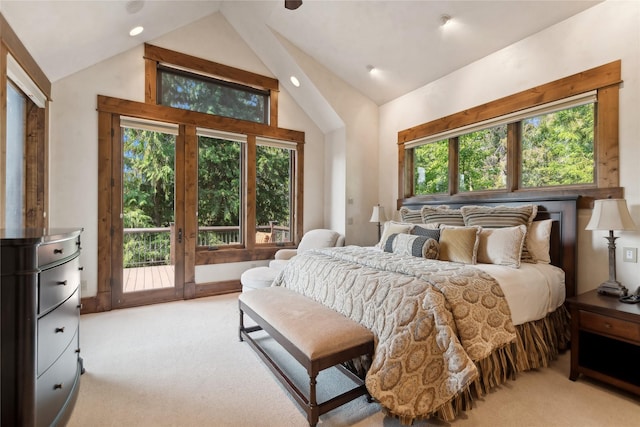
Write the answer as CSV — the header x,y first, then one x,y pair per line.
x,y
292,4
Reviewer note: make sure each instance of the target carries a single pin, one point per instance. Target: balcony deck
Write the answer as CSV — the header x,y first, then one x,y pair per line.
x,y
145,278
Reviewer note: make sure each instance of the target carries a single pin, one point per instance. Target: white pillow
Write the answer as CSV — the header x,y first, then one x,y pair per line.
x,y
501,246
538,240
392,227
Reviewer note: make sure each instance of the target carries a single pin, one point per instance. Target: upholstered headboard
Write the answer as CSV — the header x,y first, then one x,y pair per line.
x,y
562,210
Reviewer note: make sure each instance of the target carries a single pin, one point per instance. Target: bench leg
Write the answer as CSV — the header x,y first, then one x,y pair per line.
x,y
314,410
241,325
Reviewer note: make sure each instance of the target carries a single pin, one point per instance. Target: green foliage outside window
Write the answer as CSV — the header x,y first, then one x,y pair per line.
x,y
431,168
557,148
273,187
482,159
207,95
219,189
148,194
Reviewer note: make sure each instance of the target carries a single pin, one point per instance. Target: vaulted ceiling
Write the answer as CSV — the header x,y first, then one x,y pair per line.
x,y
404,40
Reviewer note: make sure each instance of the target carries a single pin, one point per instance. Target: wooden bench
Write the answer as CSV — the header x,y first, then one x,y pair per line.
x,y
315,335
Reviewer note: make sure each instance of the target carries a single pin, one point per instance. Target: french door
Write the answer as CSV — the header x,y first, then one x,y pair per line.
x,y
147,214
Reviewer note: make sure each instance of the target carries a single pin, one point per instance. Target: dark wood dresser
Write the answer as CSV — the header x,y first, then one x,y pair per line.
x,y
40,362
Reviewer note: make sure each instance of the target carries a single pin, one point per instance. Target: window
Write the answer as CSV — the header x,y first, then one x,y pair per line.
x,y
557,148
14,155
191,91
431,173
482,159
274,196
569,142
219,189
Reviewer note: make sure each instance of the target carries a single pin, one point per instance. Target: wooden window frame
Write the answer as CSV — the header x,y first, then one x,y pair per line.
x,y
605,80
36,171
155,56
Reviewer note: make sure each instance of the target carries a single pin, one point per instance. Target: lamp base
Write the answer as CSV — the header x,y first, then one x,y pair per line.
x,y
612,288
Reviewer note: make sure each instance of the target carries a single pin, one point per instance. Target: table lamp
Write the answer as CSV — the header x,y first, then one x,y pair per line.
x,y
611,215
378,216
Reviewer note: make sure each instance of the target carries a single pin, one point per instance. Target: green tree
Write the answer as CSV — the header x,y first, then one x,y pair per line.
x,y
557,148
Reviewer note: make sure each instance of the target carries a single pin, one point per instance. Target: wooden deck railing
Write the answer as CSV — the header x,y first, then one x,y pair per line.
x,y
145,247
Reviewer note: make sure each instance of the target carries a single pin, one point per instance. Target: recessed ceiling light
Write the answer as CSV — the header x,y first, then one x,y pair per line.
x,y
445,19
295,81
134,6
135,31
371,68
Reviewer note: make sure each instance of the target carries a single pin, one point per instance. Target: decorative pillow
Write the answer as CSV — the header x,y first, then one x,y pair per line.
x,y
502,246
459,244
418,246
538,241
433,233
441,215
392,227
412,216
500,217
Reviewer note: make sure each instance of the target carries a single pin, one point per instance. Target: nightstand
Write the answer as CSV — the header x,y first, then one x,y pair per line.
x,y
605,340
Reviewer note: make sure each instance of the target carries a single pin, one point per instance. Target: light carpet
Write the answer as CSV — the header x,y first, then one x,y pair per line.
x,y
181,364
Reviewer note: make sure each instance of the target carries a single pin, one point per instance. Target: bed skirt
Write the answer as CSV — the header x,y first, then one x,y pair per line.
x,y
537,344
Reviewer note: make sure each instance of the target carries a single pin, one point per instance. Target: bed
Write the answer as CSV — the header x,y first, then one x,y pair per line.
x,y
448,329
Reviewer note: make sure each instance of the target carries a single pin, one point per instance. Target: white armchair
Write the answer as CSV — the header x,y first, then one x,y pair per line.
x,y
260,277
313,239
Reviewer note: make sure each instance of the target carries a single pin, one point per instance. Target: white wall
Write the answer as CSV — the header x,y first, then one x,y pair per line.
x,y
74,141
352,167
603,33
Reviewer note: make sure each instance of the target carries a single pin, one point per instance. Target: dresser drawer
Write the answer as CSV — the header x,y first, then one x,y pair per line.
x,y
610,326
55,331
57,284
55,385
55,251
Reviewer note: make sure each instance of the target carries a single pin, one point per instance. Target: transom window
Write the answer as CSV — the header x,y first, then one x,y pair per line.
x,y
197,92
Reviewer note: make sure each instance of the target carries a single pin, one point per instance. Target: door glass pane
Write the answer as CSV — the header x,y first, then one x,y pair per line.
x,y
482,159
148,209
273,194
15,186
219,192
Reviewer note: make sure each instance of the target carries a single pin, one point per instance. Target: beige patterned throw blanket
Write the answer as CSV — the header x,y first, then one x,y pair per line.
x,y
433,320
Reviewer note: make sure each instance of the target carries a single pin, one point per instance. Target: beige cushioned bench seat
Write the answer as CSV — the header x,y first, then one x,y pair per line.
x,y
315,335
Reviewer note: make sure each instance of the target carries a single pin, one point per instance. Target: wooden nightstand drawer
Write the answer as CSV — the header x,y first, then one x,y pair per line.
x,y
610,326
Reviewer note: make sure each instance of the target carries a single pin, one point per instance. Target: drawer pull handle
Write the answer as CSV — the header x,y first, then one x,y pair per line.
x,y
58,386
63,283
60,329
57,251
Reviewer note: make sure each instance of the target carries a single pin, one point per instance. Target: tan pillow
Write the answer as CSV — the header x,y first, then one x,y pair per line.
x,y
538,240
392,227
459,244
501,246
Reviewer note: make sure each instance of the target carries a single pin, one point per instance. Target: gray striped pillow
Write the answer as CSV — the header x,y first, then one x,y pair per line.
x,y
442,215
500,217
410,215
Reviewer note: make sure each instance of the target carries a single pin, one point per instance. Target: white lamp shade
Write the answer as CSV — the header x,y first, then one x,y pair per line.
x,y
378,214
610,214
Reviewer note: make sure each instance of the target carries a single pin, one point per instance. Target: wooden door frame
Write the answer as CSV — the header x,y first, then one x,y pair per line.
x,y
110,224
